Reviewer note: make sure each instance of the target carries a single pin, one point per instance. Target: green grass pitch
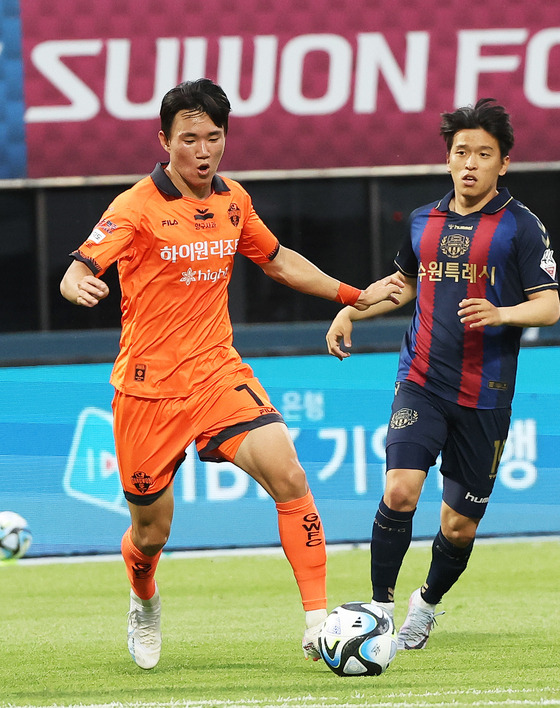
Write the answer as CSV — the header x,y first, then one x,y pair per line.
x,y
232,628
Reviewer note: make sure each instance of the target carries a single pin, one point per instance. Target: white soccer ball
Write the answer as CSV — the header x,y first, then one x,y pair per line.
x,y
15,536
358,639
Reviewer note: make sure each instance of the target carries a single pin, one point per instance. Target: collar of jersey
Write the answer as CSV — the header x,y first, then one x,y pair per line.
x,y
164,184
494,205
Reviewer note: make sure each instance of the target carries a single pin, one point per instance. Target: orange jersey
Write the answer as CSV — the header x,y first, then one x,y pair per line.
x,y
175,258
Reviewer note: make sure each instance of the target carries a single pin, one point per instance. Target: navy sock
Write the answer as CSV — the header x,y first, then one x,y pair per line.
x,y
448,562
390,539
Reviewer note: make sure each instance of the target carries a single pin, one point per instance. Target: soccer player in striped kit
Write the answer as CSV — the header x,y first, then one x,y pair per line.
x,y
481,268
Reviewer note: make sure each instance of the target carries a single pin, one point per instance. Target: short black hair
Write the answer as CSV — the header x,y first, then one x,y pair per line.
x,y
200,96
486,114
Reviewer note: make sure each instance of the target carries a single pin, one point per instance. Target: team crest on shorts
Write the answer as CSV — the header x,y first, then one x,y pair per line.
x,y
403,417
141,481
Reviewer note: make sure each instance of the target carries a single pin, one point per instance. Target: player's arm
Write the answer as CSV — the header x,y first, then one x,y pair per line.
x,y
292,269
80,286
340,331
541,309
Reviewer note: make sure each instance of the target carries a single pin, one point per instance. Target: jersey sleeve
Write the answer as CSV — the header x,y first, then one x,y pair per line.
x,y
406,260
110,239
535,256
257,241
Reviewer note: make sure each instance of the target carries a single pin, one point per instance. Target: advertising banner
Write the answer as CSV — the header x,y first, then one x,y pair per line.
x,y
356,83
59,470
12,129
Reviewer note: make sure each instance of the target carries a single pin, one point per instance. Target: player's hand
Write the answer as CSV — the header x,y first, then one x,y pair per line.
x,y
339,333
479,312
388,288
90,291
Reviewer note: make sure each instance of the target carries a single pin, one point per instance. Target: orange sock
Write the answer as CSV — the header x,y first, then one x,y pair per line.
x,y
140,568
303,541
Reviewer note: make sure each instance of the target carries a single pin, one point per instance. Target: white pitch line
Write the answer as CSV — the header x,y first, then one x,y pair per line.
x,y
444,699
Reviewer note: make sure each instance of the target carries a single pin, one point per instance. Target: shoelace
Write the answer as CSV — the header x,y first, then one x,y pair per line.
x,y
421,623
145,623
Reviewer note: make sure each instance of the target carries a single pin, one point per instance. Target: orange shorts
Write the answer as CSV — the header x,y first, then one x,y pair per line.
x,y
152,434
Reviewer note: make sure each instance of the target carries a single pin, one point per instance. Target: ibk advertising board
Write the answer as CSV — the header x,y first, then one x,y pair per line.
x,y
59,470
351,83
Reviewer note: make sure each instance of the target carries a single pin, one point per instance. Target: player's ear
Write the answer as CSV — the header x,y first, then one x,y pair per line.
x,y
164,142
505,165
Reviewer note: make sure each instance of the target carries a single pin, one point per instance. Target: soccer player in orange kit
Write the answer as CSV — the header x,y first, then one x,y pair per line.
x,y
177,376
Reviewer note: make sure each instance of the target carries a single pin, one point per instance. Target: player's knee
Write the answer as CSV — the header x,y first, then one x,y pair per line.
x,y
151,538
289,484
399,502
400,497
460,532
458,528
403,488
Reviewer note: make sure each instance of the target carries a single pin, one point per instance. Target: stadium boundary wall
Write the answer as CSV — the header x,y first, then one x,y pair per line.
x,y
59,469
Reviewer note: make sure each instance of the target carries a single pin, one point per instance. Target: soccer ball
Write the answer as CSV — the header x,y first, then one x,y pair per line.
x,y
358,639
15,536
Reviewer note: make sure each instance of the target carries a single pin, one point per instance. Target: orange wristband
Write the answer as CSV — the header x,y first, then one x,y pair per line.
x,y
347,295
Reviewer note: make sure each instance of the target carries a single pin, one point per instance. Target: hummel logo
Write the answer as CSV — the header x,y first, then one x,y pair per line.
x,y
203,215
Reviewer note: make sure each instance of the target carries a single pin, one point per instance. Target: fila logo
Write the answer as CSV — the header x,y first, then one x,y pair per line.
x,y
169,222
203,215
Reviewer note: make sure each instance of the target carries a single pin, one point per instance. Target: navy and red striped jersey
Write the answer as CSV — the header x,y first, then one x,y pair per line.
x,y
501,253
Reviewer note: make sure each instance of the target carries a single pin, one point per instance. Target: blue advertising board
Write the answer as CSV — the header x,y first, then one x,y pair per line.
x,y
59,470
12,127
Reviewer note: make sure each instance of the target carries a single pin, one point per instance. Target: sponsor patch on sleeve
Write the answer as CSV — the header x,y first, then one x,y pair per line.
x,y
96,236
107,225
548,264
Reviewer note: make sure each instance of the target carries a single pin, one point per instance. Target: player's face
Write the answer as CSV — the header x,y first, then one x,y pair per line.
x,y
195,148
475,163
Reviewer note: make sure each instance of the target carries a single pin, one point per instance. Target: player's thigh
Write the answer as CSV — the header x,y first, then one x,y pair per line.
x,y
238,405
268,454
417,428
151,436
416,434
471,457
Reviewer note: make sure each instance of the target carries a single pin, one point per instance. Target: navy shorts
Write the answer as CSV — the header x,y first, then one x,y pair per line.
x,y
471,442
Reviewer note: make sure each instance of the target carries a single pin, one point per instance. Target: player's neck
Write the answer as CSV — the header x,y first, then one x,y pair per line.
x,y
463,205
187,189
